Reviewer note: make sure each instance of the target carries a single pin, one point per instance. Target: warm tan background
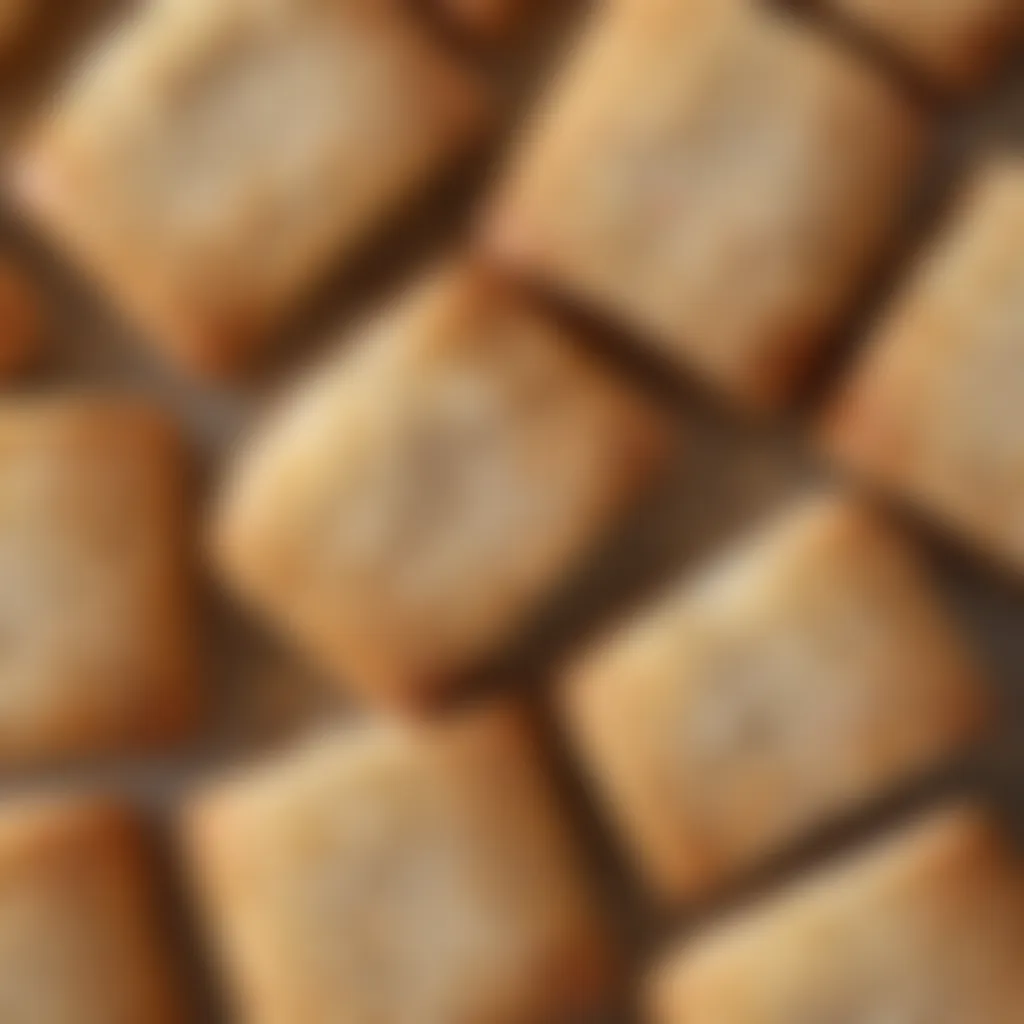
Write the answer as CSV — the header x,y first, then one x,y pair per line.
x,y
261,695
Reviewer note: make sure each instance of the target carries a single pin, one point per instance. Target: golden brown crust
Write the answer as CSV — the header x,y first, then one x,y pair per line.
x,y
956,43
98,650
716,177
484,19
394,873
216,156
20,320
932,410
925,926
14,20
809,672
414,504
80,939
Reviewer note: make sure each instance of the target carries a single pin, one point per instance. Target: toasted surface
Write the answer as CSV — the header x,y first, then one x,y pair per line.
x,y
396,873
20,319
419,499
80,936
14,16
484,19
954,42
810,671
215,156
716,177
925,926
932,410
98,647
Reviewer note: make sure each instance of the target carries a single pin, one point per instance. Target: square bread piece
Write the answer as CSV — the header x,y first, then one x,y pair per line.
x,y
716,177
925,927
955,43
98,651
933,411
80,935
396,873
809,672
216,156
419,500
